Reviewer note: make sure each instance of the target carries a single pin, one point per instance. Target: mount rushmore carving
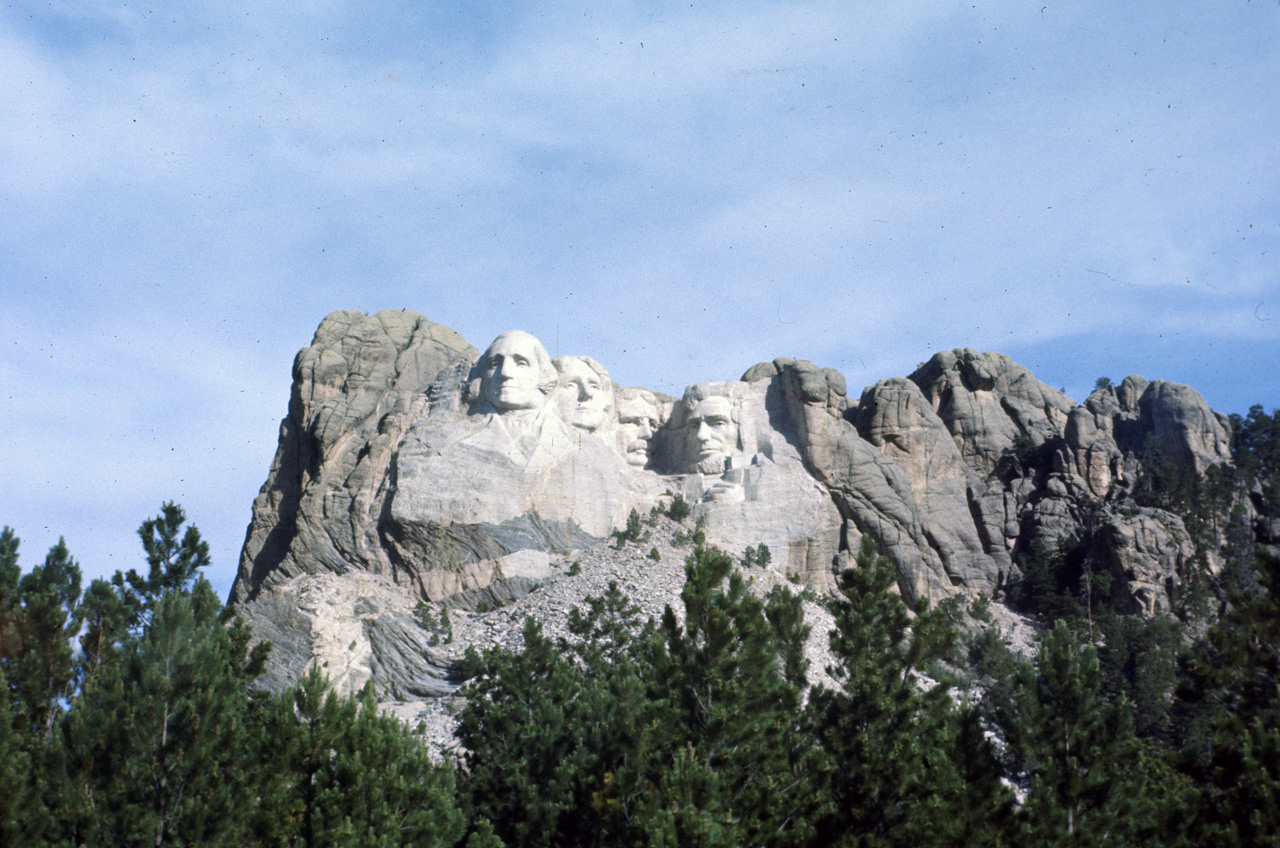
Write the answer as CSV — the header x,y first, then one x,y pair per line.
x,y
410,458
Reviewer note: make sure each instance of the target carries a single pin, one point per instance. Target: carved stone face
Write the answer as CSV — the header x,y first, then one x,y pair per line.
x,y
638,418
715,433
513,372
585,396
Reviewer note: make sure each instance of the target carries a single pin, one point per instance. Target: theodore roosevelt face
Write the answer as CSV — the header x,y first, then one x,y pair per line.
x,y
639,415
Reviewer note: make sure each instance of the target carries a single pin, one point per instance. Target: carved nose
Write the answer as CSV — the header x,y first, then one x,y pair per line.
x,y
645,430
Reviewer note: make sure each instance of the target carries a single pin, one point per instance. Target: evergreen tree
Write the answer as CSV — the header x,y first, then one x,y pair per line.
x,y
896,745
16,789
173,561
40,618
1138,663
156,746
343,774
550,730
1231,714
1080,749
733,680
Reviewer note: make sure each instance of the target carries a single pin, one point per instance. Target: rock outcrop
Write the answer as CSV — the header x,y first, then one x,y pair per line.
x,y
356,390
412,469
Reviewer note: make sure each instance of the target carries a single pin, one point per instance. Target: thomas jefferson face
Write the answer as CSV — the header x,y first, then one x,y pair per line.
x,y
513,372
715,433
638,418
584,394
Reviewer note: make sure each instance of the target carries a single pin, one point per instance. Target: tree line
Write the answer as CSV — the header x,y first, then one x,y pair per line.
x,y
130,718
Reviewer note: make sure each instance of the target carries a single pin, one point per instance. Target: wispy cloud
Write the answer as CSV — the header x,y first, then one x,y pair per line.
x,y
678,190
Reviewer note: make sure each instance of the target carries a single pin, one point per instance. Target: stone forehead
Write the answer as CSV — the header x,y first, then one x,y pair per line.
x,y
711,404
518,337
564,364
635,405
730,391
635,393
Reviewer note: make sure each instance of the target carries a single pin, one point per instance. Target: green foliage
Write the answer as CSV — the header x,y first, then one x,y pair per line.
x,y
1255,448
732,674
632,531
547,729
679,509
446,626
995,669
696,537
906,766
1230,717
635,733
980,608
1203,501
1137,660
760,555
441,629
654,554
39,617
575,569
1049,582
16,790
1103,383
343,774
155,744
173,562
1079,747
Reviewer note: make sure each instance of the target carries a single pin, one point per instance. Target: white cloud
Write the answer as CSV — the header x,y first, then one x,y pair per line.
x,y
194,188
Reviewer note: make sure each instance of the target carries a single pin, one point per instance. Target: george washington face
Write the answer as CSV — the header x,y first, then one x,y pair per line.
x,y
515,372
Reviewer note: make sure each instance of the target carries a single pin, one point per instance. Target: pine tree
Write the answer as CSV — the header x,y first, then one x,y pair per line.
x,y
548,730
1080,749
343,774
733,681
16,788
156,745
39,619
896,746
1232,743
173,561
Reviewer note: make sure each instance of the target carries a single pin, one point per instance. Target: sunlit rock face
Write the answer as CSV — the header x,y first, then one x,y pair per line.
x,y
427,471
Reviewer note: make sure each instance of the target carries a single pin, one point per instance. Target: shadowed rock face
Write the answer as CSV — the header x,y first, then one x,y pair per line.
x,y
412,468
356,389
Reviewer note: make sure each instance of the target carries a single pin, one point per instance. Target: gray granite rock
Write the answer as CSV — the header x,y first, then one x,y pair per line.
x,y
411,469
356,389
986,400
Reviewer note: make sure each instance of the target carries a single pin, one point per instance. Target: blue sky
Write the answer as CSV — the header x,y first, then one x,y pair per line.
x,y
679,190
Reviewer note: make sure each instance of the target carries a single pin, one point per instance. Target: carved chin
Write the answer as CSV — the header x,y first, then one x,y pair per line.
x,y
512,399
589,420
712,465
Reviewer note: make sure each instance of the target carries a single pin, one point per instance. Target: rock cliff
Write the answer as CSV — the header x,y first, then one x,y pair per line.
x,y
414,472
